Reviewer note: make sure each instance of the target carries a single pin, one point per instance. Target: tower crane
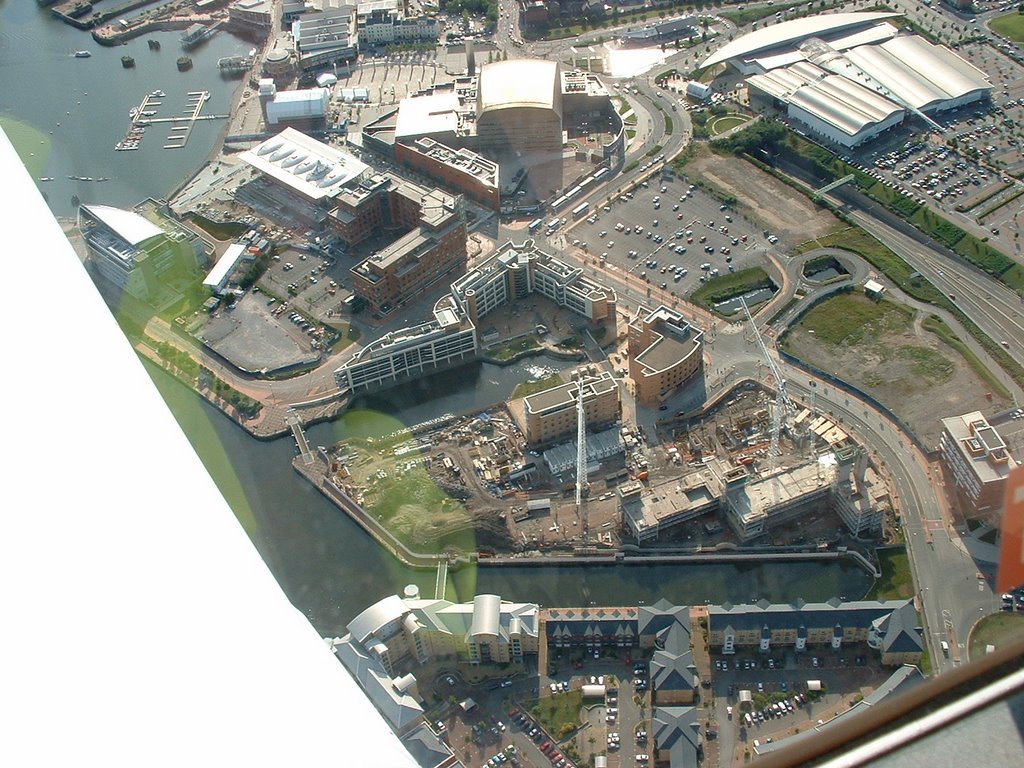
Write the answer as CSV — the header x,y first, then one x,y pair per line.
x,y
783,405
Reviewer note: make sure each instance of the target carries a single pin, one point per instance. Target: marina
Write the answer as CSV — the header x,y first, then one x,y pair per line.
x,y
144,115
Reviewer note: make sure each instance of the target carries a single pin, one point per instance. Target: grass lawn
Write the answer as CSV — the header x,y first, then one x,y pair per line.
x,y
348,335
717,125
997,629
850,317
896,582
513,348
559,713
529,387
730,284
1011,26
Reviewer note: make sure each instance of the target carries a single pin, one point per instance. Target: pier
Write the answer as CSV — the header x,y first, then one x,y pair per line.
x,y
144,115
193,106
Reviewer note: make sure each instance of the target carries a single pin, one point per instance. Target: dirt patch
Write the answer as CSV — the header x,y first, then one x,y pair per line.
x,y
909,370
763,199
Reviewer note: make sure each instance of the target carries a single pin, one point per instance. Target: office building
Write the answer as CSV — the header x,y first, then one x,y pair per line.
x,y
137,255
551,415
446,341
665,353
977,460
433,248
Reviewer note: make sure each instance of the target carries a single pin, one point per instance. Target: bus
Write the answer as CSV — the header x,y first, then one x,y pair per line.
x,y
553,224
579,210
535,225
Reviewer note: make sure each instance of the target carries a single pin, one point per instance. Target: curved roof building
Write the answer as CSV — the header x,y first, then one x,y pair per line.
x,y
777,35
518,83
131,227
519,117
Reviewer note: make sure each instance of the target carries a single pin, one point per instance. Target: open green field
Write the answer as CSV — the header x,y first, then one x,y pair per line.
x,y
896,582
723,123
1010,26
997,629
912,365
849,318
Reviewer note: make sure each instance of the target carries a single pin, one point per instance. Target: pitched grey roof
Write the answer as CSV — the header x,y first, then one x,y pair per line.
x,y
677,733
900,630
859,614
398,708
425,748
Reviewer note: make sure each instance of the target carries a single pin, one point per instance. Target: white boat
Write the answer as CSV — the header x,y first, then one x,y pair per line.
x,y
82,54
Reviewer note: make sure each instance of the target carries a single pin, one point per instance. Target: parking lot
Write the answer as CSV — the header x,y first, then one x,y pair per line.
x,y
782,703
663,232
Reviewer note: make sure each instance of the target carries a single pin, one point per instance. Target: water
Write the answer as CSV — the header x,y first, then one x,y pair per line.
x,y
42,85
325,564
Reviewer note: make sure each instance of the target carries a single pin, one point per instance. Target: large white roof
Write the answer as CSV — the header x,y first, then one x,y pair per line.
x,y
792,31
128,225
426,115
836,100
913,71
310,167
517,83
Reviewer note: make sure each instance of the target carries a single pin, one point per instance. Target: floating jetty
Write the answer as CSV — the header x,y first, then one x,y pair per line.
x,y
195,34
234,64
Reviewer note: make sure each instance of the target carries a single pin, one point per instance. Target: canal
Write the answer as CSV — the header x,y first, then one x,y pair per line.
x,y
331,570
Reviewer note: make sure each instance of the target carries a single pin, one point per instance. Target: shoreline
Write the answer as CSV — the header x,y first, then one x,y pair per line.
x,y
316,473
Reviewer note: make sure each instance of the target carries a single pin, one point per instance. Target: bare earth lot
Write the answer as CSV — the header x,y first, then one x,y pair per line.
x,y
898,362
763,199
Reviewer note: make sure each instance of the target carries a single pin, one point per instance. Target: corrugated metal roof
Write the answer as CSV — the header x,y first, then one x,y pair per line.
x,y
790,31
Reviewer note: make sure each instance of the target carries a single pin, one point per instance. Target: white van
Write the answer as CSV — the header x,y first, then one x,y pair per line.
x,y
945,648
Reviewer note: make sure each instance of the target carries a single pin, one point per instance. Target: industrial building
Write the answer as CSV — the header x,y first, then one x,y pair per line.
x,y
889,626
137,255
306,108
977,460
848,77
551,414
662,31
665,353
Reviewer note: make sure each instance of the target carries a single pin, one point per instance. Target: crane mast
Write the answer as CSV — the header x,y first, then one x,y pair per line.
x,y
783,404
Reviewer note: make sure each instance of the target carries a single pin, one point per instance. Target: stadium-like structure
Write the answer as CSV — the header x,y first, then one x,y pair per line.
x,y
849,77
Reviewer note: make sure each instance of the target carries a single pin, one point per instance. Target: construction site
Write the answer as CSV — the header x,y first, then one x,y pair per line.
x,y
753,469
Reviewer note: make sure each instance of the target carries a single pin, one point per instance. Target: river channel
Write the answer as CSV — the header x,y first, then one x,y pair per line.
x,y
331,570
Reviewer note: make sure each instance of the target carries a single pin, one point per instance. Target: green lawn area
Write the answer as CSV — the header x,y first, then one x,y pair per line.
x,y
559,713
850,317
895,582
997,629
512,348
729,285
723,123
348,334
1011,26
529,387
